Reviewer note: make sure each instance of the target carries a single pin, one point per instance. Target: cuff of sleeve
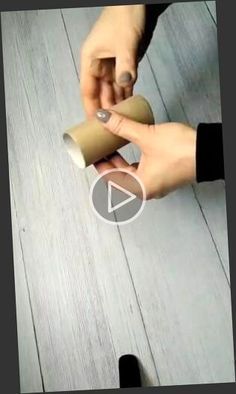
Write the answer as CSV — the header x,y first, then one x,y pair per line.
x,y
209,152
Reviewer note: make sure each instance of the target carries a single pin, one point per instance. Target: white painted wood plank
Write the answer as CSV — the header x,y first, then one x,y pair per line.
x,y
212,8
78,28
146,300
30,377
184,297
212,201
85,310
184,51
186,304
184,47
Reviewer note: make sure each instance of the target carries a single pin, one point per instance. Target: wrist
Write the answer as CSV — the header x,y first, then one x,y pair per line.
x,y
191,156
187,157
125,9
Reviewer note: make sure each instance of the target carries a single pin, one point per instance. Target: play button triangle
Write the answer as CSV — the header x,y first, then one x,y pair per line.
x,y
115,191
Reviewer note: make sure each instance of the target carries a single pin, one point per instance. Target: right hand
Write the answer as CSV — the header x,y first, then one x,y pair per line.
x,y
109,57
168,159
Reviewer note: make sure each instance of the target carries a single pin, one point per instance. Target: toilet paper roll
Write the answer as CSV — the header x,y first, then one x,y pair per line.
x,y
90,142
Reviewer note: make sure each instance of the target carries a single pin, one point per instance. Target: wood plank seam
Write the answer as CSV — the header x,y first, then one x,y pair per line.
x,y
187,120
121,239
157,86
212,237
131,265
210,12
138,303
28,291
69,43
73,167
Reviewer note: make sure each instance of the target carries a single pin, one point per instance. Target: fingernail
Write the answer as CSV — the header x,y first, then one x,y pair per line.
x,y
125,77
103,115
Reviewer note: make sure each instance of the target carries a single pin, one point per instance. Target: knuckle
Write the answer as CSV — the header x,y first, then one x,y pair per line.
x,y
86,50
129,59
161,193
118,124
150,195
137,33
148,190
155,192
151,128
131,169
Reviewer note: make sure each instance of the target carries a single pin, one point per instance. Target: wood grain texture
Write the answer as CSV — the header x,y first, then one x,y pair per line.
x,y
188,222
30,374
85,308
188,314
157,287
185,47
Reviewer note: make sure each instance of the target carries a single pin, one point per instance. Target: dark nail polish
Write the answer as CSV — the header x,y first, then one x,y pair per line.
x,y
125,77
103,115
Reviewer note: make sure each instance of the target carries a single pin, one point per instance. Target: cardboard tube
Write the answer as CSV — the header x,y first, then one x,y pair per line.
x,y
90,142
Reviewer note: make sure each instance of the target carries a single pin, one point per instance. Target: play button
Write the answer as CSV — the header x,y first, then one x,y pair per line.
x,y
111,199
112,188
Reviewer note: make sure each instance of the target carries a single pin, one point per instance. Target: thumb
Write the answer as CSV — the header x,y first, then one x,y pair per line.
x,y
126,66
123,127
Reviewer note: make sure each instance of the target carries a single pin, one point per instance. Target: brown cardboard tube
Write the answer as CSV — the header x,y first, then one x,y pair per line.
x,y
90,142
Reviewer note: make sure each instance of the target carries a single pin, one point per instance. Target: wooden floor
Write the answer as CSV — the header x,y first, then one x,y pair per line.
x,y
88,292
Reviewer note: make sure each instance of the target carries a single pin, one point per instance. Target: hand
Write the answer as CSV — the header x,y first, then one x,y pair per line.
x,y
109,57
168,154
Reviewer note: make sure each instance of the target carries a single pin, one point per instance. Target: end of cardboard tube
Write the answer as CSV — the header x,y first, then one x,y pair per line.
x,y
74,151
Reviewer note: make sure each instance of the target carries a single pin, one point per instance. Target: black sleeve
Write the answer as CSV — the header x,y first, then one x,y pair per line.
x,y
209,152
153,11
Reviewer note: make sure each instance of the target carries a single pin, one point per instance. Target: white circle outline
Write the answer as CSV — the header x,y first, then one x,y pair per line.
x,y
124,221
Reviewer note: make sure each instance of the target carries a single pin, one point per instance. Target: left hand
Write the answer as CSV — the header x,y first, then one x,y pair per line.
x,y
109,57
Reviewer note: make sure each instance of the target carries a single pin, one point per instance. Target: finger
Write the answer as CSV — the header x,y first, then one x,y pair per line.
x,y
91,106
121,178
90,89
126,128
119,93
103,165
124,180
107,97
128,91
103,68
118,161
126,65
91,95
113,161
